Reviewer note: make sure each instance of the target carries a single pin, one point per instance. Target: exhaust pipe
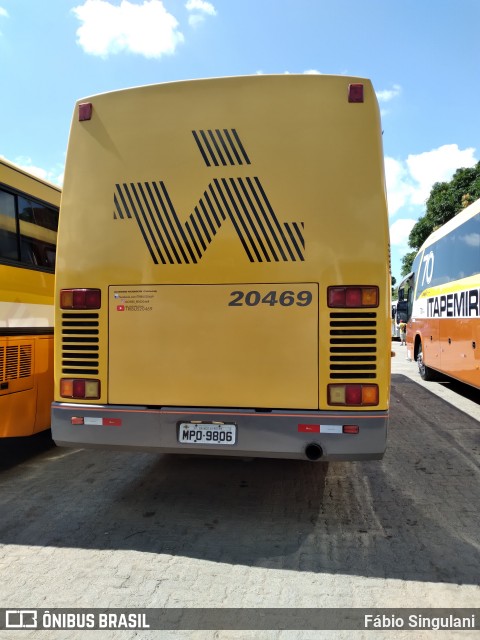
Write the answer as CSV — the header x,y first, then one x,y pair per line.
x,y
313,452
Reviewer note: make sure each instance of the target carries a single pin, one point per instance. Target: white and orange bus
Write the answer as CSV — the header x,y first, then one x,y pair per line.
x,y
28,231
441,297
222,271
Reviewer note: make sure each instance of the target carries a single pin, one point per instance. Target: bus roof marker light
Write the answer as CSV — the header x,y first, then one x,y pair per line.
x,y
85,110
355,92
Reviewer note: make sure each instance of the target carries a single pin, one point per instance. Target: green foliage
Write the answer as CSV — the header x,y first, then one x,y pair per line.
x,y
445,201
407,262
394,293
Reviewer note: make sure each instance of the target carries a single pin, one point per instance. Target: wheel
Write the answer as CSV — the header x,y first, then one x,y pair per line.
x,y
426,373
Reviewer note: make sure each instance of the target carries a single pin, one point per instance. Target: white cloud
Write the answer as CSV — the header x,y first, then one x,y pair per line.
x,y
201,9
196,19
50,175
201,5
313,72
3,14
438,165
389,94
409,182
399,185
399,232
146,29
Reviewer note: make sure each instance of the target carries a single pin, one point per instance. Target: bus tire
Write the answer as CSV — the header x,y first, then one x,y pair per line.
x,y
426,373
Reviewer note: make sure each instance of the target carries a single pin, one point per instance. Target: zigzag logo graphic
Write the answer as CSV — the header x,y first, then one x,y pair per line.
x,y
243,201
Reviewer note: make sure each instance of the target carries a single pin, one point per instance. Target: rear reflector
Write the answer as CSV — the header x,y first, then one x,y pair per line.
x,y
351,428
355,92
80,388
352,297
328,428
102,422
309,428
353,395
80,299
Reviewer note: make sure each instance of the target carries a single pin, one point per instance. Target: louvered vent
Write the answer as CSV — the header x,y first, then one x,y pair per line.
x,y
80,343
15,362
353,346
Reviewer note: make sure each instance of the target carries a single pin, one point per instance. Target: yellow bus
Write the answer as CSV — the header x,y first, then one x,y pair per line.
x,y
28,233
223,276
441,298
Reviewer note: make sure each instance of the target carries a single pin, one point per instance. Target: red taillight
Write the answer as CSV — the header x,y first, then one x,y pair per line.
x,y
352,297
80,388
353,395
80,299
355,92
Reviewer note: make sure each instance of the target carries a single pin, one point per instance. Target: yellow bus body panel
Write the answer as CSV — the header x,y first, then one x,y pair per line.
x,y
213,352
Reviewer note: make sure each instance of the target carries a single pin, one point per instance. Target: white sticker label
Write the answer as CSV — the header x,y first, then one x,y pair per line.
x,y
331,428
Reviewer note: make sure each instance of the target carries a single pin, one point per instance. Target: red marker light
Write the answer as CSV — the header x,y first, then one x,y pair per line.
x,y
85,110
355,92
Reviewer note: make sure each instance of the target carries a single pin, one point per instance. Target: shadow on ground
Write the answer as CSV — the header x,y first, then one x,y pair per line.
x,y
412,516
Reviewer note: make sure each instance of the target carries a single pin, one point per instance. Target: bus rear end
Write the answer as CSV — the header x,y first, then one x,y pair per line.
x,y
223,282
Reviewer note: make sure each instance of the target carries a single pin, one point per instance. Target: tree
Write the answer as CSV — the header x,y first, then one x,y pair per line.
x,y
394,281
445,201
407,262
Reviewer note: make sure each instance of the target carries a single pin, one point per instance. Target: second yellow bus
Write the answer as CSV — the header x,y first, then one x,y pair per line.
x,y
28,235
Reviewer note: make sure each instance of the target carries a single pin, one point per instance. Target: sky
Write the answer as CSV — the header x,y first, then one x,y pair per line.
x,y
422,56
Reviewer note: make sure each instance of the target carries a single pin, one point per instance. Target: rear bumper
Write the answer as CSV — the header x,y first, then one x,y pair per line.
x,y
275,434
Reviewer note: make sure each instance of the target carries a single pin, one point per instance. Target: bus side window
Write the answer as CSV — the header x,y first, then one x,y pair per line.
x,y
8,227
38,231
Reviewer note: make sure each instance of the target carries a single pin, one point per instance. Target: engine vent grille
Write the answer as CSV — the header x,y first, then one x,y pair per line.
x,y
353,346
80,343
15,362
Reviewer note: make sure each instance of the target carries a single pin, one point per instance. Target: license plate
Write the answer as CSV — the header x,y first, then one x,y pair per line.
x,y
207,433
